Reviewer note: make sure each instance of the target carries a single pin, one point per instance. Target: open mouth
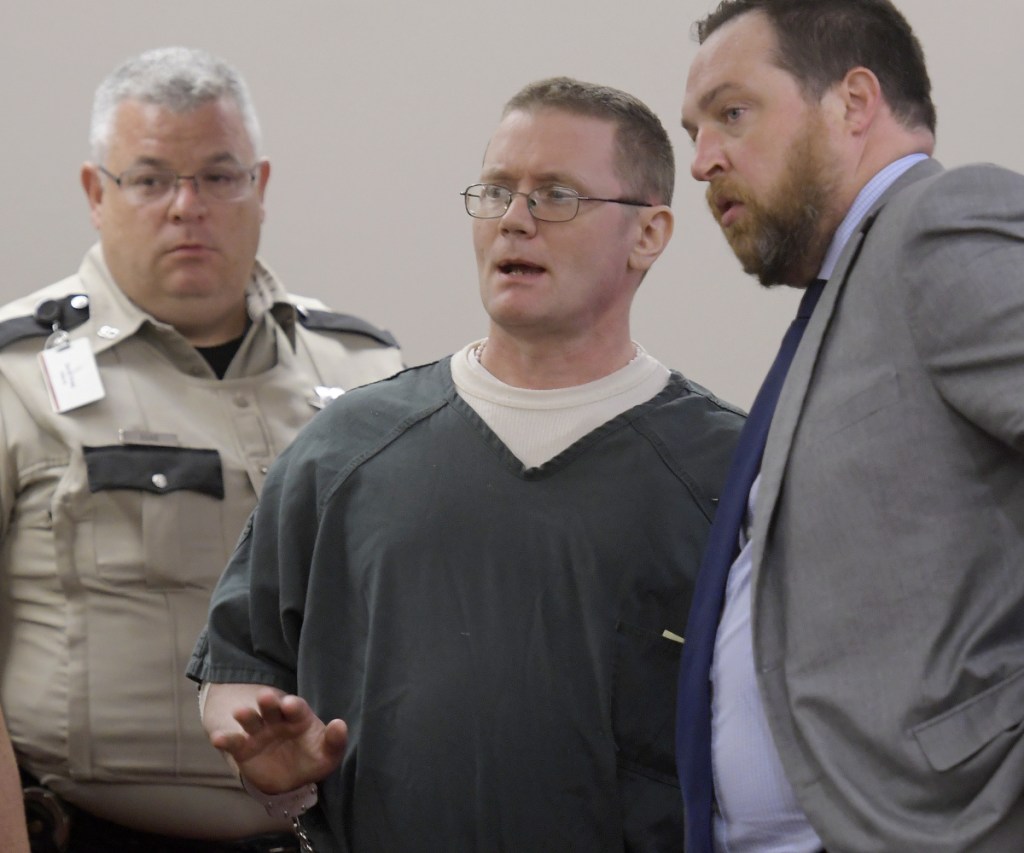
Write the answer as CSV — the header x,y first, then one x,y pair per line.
x,y
725,206
519,268
726,210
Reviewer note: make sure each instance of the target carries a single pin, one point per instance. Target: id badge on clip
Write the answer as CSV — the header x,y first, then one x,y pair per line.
x,y
70,372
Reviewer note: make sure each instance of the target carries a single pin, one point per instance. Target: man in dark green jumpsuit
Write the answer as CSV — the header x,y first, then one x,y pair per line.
x,y
483,565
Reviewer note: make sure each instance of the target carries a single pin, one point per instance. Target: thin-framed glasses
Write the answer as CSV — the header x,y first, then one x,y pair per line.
x,y
146,184
548,204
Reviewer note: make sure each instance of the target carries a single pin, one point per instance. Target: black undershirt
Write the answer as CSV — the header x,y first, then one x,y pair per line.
x,y
219,356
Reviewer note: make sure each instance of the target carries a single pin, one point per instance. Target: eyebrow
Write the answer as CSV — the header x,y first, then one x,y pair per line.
x,y
543,180
709,97
213,160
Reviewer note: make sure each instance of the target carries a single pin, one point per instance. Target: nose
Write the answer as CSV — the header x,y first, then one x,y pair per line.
x,y
186,200
517,217
708,155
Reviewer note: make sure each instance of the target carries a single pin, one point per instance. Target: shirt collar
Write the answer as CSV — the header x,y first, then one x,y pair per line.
x,y
117,317
864,201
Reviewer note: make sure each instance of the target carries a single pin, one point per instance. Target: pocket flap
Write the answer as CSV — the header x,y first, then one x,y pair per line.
x,y
960,732
154,469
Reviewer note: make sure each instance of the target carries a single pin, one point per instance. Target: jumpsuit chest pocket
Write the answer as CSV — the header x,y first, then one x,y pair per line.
x,y
155,516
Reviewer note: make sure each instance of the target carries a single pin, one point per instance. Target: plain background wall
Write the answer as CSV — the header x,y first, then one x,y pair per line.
x,y
376,115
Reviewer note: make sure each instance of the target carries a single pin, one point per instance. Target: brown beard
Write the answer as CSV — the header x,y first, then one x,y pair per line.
x,y
779,238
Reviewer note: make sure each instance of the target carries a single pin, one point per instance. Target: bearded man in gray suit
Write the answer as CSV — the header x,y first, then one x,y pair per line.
x,y
863,675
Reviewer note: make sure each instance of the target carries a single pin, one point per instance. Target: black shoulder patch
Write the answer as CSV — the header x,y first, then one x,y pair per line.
x,y
328,321
67,313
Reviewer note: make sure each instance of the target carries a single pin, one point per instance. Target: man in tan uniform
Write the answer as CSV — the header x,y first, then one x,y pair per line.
x,y
12,822
141,402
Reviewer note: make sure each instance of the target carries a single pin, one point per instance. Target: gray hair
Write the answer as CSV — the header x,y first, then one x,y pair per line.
x,y
178,78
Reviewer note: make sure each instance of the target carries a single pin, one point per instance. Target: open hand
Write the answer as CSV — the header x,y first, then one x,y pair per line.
x,y
282,744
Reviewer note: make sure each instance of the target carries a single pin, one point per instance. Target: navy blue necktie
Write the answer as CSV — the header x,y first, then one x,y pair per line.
x,y
693,716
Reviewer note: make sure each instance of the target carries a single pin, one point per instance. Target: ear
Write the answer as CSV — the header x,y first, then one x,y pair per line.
x,y
261,183
861,98
656,224
92,183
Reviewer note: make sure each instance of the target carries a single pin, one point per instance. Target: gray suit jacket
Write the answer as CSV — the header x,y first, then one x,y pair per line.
x,y
888,609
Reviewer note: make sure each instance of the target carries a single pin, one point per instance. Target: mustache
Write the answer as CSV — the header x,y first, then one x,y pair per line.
x,y
721,193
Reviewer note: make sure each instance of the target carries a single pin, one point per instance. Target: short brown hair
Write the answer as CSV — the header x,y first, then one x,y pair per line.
x,y
645,161
821,40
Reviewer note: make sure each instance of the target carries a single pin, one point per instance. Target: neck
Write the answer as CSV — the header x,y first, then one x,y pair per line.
x,y
545,364
888,142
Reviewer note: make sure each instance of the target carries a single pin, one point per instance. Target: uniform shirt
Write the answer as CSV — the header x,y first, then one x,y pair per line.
x,y
499,638
117,519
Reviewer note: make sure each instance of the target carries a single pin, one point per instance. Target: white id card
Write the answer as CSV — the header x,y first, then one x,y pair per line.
x,y
71,375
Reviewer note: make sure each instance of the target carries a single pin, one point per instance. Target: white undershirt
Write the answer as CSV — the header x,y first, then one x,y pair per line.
x,y
538,425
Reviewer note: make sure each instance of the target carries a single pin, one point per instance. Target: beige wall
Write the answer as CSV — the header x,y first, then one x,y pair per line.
x,y
376,114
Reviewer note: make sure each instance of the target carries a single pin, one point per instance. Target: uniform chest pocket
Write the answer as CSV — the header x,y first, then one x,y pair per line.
x,y
155,516
154,469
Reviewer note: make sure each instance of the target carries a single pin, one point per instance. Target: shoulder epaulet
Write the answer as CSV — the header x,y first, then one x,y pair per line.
x,y
329,321
66,313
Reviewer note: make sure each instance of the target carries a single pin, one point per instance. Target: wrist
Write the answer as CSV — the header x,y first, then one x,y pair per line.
x,y
289,804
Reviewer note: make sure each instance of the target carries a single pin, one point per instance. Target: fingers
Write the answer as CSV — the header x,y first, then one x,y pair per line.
x,y
282,742
275,708
268,711
233,743
275,718
294,709
269,707
250,720
335,739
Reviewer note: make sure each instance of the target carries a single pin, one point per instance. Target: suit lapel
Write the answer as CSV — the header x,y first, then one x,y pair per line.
x,y
794,392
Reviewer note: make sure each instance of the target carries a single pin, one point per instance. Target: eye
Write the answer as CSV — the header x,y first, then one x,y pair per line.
x,y
732,114
147,179
492,192
220,177
556,195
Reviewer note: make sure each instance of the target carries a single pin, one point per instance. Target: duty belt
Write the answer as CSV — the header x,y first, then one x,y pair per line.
x,y
56,826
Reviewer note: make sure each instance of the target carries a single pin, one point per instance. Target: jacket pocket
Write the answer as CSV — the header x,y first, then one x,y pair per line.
x,y
962,731
860,405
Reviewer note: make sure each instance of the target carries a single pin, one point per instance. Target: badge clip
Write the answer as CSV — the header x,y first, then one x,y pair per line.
x,y
58,339
69,371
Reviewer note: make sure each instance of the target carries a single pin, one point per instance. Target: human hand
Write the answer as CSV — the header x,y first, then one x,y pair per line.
x,y
282,744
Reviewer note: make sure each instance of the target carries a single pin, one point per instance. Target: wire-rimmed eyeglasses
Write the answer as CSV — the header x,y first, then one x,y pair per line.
x,y
145,184
548,204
